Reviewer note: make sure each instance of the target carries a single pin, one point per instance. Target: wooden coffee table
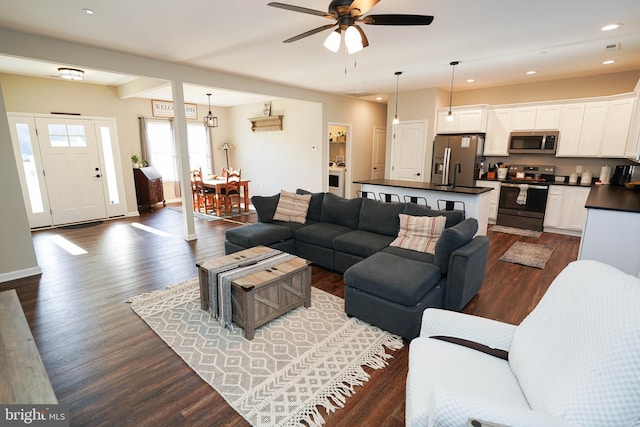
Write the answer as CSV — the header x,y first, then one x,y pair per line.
x,y
262,296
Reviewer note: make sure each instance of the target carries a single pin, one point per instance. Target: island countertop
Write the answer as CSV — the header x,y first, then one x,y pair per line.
x,y
424,186
613,198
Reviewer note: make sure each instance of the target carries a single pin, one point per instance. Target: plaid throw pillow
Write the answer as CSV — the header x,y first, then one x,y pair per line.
x,y
292,207
419,233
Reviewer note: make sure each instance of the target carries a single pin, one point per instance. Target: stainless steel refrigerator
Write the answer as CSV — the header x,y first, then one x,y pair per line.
x,y
459,153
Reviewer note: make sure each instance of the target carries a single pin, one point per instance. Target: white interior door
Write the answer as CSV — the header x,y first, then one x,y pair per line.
x,y
379,153
408,151
72,168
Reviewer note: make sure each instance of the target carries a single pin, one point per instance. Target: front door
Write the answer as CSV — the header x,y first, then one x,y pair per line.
x,y
408,151
72,168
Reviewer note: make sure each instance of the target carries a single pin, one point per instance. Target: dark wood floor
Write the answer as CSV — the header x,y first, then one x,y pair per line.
x,y
112,370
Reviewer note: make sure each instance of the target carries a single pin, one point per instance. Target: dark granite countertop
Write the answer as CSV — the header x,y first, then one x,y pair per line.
x,y
614,198
424,186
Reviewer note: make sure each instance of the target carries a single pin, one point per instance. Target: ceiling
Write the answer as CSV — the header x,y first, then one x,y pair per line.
x,y
496,42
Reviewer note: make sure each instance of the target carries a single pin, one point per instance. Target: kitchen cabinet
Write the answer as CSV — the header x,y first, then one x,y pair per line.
x,y
582,129
565,212
494,197
541,117
465,119
617,125
632,150
498,129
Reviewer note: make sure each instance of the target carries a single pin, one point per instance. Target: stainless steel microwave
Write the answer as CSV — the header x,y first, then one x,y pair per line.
x,y
533,142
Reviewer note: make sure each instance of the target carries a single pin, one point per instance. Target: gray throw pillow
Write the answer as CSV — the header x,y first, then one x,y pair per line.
x,y
341,211
265,206
315,205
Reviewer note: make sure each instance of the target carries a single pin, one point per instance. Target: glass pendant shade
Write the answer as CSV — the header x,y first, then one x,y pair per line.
x,y
210,120
333,41
353,40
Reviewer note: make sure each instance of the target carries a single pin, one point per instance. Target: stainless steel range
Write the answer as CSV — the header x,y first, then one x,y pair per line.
x,y
523,196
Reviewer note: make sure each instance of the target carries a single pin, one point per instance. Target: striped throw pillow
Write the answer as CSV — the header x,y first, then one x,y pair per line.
x,y
292,207
419,233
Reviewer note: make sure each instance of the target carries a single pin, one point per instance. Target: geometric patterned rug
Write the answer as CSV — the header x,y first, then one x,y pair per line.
x,y
307,359
529,254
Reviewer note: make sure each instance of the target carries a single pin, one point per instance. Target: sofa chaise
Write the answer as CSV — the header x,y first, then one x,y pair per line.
x,y
386,285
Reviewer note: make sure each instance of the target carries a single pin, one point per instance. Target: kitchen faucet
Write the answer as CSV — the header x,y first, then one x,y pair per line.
x,y
456,169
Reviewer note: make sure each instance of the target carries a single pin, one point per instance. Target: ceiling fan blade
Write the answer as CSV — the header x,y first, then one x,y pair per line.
x,y
365,41
363,5
301,9
309,33
397,19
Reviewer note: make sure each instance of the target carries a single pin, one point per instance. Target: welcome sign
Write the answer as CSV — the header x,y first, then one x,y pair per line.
x,y
165,109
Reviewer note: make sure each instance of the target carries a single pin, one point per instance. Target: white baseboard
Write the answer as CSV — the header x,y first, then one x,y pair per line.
x,y
19,274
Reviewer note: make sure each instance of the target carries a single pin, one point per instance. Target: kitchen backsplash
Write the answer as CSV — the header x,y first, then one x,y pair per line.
x,y
564,165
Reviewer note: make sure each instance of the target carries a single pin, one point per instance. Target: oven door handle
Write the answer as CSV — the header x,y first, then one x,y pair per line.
x,y
535,187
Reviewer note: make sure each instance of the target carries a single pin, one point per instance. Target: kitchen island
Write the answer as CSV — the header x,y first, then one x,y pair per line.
x,y
612,232
473,200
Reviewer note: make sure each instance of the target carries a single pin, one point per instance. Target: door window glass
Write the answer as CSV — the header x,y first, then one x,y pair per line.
x,y
109,165
29,166
67,135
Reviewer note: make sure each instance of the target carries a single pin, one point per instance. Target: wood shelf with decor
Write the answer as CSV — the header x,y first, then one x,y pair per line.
x,y
267,123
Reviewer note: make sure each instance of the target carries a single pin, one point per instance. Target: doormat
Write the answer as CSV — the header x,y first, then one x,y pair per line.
x,y
80,225
529,254
517,231
305,360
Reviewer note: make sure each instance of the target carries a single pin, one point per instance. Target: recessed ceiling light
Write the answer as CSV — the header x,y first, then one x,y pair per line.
x,y
608,62
531,72
611,27
88,11
470,80
378,98
71,73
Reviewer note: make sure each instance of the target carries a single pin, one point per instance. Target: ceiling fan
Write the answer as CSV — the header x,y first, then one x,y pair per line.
x,y
347,13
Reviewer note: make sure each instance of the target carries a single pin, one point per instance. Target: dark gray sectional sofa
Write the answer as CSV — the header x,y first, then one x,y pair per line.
x,y
386,286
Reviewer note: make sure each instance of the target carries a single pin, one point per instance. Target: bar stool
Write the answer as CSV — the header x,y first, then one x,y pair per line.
x,y
418,200
450,205
366,194
389,197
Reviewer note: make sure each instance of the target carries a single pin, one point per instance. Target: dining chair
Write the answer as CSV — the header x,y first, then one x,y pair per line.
x,y
203,197
231,195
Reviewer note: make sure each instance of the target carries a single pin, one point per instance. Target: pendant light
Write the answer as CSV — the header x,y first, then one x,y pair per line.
x,y
453,70
396,119
210,120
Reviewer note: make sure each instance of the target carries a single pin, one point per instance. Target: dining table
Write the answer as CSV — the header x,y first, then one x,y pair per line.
x,y
219,183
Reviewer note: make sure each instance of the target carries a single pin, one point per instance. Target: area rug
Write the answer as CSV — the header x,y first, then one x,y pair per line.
x,y
517,231
211,217
308,359
529,254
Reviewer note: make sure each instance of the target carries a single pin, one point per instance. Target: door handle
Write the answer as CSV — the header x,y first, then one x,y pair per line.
x,y
418,174
98,176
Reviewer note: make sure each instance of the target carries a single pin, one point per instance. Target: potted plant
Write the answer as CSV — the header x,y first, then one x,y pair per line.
x,y
135,159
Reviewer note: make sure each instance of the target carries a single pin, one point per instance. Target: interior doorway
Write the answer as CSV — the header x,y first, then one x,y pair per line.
x,y
339,175
70,169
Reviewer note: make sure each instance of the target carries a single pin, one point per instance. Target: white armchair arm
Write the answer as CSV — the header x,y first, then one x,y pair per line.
x,y
448,408
485,331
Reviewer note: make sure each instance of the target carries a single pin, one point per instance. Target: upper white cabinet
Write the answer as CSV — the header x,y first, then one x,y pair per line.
x,y
496,142
633,141
616,131
570,130
465,119
542,117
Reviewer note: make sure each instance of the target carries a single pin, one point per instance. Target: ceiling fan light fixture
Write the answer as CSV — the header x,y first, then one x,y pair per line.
x,y
210,120
333,40
353,39
71,74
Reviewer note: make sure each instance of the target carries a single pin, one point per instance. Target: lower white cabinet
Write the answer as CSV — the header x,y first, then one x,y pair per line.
x,y
565,209
493,198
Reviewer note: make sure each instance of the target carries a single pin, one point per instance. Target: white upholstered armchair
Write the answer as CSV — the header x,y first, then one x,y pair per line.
x,y
574,361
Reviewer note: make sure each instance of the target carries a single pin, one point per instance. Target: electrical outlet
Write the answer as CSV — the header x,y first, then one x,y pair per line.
x,y
578,169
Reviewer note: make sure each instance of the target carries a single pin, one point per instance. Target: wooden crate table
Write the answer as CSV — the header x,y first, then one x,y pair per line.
x,y
263,295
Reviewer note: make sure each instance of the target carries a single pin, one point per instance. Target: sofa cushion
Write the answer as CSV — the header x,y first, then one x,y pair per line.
x,y
259,233
381,218
361,243
451,239
408,253
265,206
393,278
419,233
292,207
320,233
315,205
453,217
341,211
